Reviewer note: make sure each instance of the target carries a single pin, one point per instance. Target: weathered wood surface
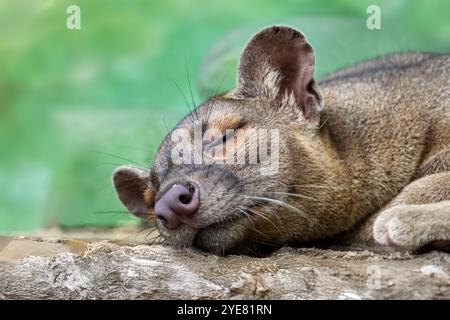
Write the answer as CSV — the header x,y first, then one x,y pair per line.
x,y
74,269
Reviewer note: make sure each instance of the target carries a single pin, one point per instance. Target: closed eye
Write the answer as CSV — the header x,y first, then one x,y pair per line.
x,y
222,140
229,135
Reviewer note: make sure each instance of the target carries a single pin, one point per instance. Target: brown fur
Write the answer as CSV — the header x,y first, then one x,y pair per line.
x,y
365,160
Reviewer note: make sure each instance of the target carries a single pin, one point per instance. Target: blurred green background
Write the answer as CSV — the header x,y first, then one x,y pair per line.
x,y
74,104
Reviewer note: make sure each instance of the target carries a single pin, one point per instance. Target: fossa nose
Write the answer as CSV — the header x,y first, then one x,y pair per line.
x,y
180,202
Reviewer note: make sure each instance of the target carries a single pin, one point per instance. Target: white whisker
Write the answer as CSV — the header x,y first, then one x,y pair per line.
x,y
260,214
296,195
283,204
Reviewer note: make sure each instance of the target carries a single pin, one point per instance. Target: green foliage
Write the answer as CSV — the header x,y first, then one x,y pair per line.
x,y
69,98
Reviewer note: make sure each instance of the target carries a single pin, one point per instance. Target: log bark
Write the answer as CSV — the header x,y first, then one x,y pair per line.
x,y
74,269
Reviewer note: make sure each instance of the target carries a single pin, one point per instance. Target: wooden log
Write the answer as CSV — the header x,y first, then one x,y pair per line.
x,y
74,269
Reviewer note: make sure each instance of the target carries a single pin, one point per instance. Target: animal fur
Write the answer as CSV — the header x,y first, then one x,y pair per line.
x,y
364,155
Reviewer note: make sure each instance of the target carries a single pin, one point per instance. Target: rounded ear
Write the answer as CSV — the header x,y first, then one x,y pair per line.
x,y
134,190
279,59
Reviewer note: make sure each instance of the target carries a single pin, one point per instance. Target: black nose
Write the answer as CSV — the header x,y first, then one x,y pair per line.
x,y
180,201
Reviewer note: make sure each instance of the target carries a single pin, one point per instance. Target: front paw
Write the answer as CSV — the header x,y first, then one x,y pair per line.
x,y
410,227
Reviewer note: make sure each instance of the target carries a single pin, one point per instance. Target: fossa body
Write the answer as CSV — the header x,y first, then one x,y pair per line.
x,y
364,156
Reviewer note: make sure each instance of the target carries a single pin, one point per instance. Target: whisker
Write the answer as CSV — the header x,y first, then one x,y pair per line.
x,y
295,195
323,123
315,186
185,100
190,87
260,214
240,209
165,125
109,164
140,165
215,93
112,212
218,179
132,235
153,239
282,204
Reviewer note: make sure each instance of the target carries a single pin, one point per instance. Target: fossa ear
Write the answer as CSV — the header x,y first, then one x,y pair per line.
x,y
280,60
134,190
